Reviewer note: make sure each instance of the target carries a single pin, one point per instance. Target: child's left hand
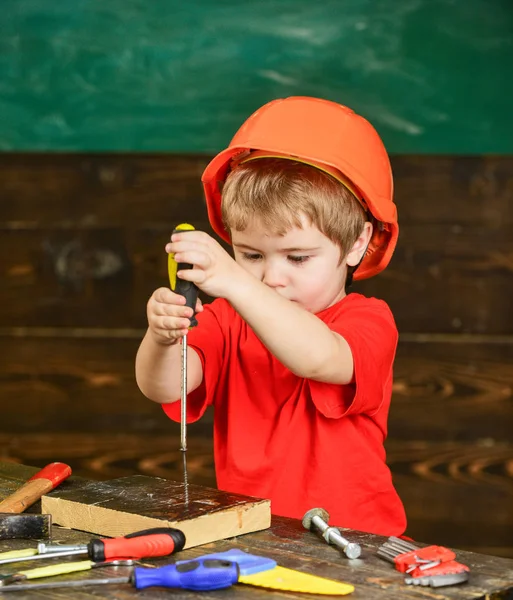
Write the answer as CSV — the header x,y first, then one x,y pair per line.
x,y
215,272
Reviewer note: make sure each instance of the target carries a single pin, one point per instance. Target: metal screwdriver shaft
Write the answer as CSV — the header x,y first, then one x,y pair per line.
x,y
189,291
183,411
183,420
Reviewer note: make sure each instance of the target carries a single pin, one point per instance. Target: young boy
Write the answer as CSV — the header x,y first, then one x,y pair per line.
x,y
298,372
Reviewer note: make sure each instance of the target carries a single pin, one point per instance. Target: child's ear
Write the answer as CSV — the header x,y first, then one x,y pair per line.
x,y
357,252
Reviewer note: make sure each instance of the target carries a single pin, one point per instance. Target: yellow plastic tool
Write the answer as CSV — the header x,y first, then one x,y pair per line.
x,y
6,581
281,578
52,570
172,266
263,571
18,554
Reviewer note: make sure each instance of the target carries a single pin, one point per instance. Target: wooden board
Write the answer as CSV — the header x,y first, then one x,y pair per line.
x,y
122,506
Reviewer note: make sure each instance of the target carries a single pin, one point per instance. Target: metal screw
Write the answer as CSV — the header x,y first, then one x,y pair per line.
x,y
317,518
43,548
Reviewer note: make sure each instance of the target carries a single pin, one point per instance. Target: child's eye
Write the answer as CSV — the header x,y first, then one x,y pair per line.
x,y
251,256
297,259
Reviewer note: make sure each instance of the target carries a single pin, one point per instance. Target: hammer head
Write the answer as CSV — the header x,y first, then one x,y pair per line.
x,y
315,512
25,526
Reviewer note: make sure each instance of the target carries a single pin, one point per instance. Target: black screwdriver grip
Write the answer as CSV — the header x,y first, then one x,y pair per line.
x,y
100,550
187,289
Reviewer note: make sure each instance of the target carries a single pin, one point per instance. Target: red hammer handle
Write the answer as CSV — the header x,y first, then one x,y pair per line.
x,y
41,483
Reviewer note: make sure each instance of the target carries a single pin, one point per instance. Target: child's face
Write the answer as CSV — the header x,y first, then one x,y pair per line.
x,y
302,265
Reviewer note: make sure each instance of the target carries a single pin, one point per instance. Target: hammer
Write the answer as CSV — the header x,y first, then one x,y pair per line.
x,y
15,525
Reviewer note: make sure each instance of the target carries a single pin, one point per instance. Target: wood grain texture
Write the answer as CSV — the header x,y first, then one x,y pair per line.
x,y
442,391
458,494
118,507
292,546
82,239
81,250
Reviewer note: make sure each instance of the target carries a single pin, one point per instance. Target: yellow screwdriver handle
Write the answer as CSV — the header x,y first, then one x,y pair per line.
x,y
180,286
18,553
60,569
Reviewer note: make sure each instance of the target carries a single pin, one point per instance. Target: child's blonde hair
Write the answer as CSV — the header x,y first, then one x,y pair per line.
x,y
278,191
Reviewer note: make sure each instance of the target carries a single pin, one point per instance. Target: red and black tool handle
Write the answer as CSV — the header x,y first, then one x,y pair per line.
x,y
159,541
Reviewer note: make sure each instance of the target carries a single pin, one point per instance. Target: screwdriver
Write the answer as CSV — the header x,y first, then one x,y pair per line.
x,y
190,293
198,575
61,569
159,541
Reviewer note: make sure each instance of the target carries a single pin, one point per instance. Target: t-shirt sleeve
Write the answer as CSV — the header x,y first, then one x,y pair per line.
x,y
207,340
371,333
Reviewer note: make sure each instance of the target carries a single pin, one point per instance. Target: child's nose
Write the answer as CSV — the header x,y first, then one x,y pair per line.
x,y
272,276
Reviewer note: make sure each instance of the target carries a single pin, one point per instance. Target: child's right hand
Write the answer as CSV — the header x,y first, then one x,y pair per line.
x,y
168,317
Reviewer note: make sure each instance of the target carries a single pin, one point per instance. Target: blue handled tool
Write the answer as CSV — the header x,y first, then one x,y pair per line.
x,y
202,574
213,572
248,563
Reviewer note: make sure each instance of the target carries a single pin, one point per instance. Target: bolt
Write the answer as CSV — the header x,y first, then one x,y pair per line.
x,y
317,518
43,548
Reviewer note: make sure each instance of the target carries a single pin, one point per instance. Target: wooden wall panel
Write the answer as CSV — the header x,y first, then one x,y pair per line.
x,y
81,250
83,234
452,392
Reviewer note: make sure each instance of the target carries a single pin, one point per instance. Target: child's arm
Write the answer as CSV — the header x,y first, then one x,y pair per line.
x,y
158,361
297,338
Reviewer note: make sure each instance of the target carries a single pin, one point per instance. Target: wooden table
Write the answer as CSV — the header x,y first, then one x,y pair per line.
x,y
288,543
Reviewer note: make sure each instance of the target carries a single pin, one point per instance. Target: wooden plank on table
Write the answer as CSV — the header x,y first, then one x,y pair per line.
x,y
129,504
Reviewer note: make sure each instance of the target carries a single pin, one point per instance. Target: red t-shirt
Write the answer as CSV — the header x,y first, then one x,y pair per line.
x,y
301,443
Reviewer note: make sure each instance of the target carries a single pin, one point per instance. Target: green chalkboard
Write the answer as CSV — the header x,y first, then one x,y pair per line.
x,y
181,75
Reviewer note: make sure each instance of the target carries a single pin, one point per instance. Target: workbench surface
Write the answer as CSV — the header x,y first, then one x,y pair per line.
x,y
290,545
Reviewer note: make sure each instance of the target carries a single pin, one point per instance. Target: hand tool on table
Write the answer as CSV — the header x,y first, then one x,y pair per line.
x,y
41,483
432,566
211,572
24,526
262,571
189,291
317,518
42,548
61,569
160,541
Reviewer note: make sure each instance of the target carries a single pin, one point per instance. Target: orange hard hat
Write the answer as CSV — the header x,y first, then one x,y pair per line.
x,y
327,135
